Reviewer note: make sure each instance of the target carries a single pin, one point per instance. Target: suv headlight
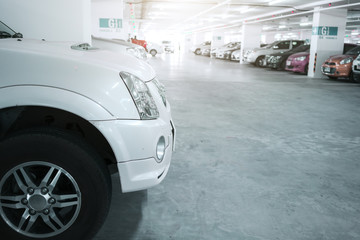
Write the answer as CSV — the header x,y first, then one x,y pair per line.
x,y
346,60
161,89
141,95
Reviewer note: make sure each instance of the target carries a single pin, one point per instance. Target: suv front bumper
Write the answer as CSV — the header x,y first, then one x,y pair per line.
x,y
134,144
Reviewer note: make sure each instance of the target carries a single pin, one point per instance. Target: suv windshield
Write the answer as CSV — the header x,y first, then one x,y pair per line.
x,y
7,32
354,51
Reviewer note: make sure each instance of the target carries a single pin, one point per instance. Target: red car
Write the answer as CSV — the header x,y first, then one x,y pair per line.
x,y
299,62
142,43
340,65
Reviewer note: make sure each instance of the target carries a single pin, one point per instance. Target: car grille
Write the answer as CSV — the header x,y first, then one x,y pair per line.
x,y
330,63
332,70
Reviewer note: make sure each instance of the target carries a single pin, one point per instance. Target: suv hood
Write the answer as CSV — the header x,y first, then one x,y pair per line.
x,y
62,50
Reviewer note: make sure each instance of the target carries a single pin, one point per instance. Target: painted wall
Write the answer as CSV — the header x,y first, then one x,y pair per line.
x,y
107,19
55,20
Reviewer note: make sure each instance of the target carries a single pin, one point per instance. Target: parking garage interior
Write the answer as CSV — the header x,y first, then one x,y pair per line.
x,y
260,153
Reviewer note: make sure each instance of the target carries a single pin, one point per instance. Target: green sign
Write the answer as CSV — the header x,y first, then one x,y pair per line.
x,y
110,23
325,31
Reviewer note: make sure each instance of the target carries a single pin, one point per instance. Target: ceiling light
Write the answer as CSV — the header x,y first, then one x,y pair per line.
x,y
282,26
305,23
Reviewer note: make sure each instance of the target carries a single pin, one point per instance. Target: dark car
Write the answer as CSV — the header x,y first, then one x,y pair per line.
x,y
278,60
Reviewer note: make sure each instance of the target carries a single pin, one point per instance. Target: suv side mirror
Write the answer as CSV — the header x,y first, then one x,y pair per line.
x,y
275,47
17,35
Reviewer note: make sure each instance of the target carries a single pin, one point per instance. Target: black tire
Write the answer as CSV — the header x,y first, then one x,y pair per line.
x,y
282,66
82,174
259,61
198,51
356,78
306,69
153,52
351,76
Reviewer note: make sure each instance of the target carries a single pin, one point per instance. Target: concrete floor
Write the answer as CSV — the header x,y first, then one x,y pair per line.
x,y
260,155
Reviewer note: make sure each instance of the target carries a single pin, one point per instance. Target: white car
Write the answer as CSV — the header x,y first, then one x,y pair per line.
x,y
119,45
70,115
257,55
154,48
197,49
356,69
235,55
226,51
168,46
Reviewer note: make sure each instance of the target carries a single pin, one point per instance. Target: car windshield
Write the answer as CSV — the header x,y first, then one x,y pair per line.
x,y
5,31
353,51
302,48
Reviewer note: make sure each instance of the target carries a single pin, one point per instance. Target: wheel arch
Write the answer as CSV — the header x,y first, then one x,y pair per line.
x,y
19,118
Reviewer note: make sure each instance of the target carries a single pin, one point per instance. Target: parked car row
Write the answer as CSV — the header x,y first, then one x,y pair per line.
x,y
289,55
222,52
297,60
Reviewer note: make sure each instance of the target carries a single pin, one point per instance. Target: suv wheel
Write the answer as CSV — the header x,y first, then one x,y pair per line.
x,y
52,186
197,51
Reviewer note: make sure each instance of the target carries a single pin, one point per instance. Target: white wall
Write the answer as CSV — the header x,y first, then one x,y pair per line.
x,y
53,20
114,11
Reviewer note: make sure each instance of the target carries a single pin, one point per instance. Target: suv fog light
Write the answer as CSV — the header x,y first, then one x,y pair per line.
x,y
160,148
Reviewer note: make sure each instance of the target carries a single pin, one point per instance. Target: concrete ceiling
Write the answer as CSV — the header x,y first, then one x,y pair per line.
x,y
190,16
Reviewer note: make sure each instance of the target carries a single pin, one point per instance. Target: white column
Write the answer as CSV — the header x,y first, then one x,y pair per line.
x,y
108,21
217,40
251,37
327,37
55,20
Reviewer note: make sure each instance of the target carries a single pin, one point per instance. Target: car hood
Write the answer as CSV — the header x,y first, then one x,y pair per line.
x,y
300,54
339,57
264,50
62,50
286,53
228,49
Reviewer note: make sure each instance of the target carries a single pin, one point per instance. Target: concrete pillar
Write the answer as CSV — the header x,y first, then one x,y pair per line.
x,y
107,20
251,38
327,37
217,39
55,20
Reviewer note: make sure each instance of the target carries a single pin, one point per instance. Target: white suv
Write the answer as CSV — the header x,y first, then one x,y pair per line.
x,y
257,55
70,115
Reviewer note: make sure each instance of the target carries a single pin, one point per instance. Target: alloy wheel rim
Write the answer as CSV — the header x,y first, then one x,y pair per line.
x,y
39,199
